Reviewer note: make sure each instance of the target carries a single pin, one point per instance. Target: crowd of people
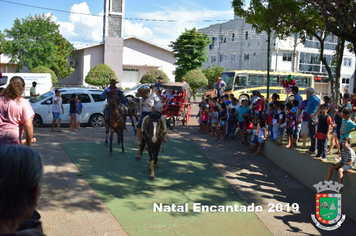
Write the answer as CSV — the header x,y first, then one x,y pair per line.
x,y
292,120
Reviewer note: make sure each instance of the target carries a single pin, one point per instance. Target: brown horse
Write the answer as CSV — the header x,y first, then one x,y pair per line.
x,y
133,108
116,123
152,136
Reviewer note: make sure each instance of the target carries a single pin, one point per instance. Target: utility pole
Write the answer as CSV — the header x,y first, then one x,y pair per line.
x,y
268,54
0,64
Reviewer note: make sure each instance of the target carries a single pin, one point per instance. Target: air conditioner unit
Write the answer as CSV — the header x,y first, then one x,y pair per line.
x,y
71,63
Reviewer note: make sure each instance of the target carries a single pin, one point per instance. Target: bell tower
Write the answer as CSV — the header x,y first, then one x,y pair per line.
x,y
113,35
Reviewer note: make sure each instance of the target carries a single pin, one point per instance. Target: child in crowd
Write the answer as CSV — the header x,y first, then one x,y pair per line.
x,y
227,100
327,102
211,109
243,112
247,126
254,137
231,123
347,125
256,104
214,121
323,132
79,113
222,122
276,120
353,104
204,118
73,104
281,123
298,126
261,134
270,120
290,125
347,161
303,119
199,117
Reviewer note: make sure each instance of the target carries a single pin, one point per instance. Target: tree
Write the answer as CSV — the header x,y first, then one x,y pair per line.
x,y
100,75
212,74
151,77
189,51
285,17
196,79
43,69
36,41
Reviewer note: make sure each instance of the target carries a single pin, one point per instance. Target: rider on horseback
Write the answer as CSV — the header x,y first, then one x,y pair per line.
x,y
105,95
149,102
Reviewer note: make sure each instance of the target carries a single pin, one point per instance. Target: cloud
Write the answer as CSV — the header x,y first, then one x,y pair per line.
x,y
83,29
137,29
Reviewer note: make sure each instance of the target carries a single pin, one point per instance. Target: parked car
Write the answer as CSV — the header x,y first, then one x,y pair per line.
x,y
90,98
131,93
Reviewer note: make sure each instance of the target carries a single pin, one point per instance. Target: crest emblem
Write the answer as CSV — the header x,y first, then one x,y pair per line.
x,y
328,206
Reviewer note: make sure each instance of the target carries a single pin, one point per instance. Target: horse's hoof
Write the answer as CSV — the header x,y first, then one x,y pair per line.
x,y
152,176
138,158
110,153
156,166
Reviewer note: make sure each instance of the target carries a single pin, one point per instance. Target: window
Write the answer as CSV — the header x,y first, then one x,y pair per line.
x,y
345,81
246,36
255,80
287,56
66,98
233,37
347,62
214,39
222,57
84,98
127,69
47,102
240,81
211,46
97,98
246,57
212,58
232,57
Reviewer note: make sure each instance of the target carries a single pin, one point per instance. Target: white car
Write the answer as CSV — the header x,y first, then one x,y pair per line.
x,y
131,93
92,112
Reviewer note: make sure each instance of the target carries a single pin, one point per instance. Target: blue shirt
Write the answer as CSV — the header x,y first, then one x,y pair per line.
x,y
108,90
80,106
299,99
313,103
242,111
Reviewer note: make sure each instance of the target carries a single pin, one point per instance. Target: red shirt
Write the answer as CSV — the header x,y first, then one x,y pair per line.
x,y
353,103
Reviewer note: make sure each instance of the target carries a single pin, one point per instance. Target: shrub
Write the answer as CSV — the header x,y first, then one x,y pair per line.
x,y
151,77
196,79
43,69
100,75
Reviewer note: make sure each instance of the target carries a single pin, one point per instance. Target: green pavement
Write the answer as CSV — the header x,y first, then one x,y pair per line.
x,y
184,175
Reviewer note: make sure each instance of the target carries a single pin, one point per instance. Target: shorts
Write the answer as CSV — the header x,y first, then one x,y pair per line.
x,y
209,120
260,140
345,168
57,115
79,117
204,122
241,125
254,140
73,114
290,131
304,130
338,129
214,125
222,122
297,129
281,131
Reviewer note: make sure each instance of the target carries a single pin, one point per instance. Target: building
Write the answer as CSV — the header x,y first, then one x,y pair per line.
x,y
235,45
139,57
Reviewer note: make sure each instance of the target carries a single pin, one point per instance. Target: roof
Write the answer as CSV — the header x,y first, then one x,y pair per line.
x,y
148,42
174,86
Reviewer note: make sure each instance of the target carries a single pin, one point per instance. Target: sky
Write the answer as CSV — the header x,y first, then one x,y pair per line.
x,y
82,30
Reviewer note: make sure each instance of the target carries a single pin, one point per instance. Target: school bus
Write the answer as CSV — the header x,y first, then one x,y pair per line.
x,y
242,82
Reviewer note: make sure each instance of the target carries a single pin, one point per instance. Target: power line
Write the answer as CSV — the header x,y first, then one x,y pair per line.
x,y
89,14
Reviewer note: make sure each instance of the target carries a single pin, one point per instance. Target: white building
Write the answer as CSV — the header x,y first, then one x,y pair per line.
x,y
235,45
139,57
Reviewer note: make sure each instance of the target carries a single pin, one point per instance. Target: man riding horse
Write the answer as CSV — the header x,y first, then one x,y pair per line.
x,y
105,95
149,102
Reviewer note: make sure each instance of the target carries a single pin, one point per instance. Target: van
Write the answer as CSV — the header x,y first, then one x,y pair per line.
x,y
43,80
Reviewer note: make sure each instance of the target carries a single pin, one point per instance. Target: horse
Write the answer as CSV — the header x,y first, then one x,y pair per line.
x,y
152,137
116,123
133,108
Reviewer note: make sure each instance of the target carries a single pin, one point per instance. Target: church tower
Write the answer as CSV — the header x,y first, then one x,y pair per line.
x,y
113,35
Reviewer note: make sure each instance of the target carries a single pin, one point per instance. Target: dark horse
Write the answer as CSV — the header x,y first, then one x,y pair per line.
x,y
116,123
133,108
152,136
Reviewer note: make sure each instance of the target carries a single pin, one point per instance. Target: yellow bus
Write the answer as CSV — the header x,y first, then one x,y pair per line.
x,y
242,82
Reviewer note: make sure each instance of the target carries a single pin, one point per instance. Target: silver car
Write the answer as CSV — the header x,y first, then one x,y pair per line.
x,y
131,93
92,112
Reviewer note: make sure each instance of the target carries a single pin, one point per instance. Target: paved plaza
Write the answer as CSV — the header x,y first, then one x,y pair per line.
x,y
69,206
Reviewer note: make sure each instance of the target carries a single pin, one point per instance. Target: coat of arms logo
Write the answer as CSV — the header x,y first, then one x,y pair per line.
x,y
328,205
